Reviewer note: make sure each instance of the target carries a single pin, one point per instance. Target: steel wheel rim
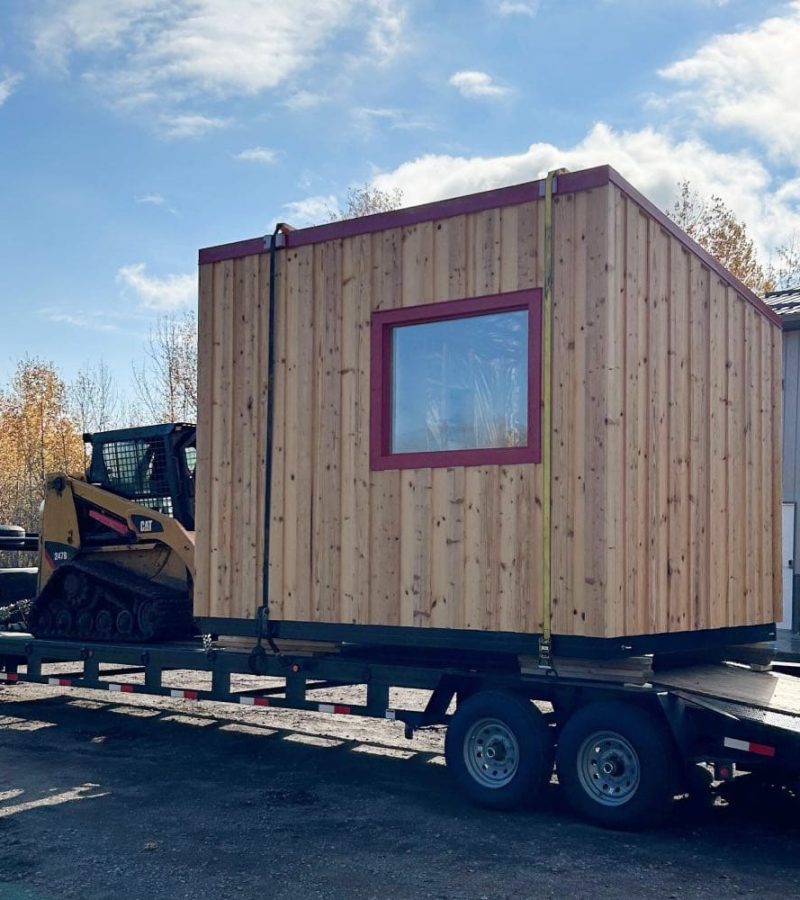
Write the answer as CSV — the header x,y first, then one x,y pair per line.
x,y
608,768
491,753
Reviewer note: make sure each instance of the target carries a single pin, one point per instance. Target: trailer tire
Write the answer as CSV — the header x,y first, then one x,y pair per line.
x,y
617,765
499,749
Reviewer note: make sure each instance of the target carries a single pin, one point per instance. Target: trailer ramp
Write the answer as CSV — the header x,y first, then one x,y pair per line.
x,y
751,714
768,691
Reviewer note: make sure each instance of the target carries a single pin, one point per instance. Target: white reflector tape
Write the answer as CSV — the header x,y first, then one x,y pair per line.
x,y
60,682
254,701
8,676
184,695
123,688
749,747
342,708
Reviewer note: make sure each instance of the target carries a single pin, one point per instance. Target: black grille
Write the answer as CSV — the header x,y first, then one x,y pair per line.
x,y
136,469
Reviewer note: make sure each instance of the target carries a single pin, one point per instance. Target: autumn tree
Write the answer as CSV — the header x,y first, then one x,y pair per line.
x,y
712,223
165,382
37,437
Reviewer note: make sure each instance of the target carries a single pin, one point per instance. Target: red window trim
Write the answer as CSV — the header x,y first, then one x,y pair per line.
x,y
381,374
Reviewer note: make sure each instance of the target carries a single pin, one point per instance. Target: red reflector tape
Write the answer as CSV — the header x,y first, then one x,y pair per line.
x,y
60,682
124,688
9,676
254,701
184,695
749,747
109,522
762,749
333,708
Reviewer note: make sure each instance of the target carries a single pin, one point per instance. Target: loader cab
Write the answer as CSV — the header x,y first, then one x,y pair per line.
x,y
153,465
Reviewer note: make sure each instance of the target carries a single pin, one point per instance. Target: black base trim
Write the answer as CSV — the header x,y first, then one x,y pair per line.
x,y
222,625
503,642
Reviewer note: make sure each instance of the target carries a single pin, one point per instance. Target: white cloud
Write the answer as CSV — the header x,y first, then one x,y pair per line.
x,y
385,31
366,118
169,293
651,161
8,86
156,199
311,211
472,83
301,100
155,51
516,7
750,81
88,321
257,154
153,199
190,126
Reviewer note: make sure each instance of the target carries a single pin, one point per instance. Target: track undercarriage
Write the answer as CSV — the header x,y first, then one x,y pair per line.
x,y
102,602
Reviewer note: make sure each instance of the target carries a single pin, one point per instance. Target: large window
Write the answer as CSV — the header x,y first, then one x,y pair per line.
x,y
457,383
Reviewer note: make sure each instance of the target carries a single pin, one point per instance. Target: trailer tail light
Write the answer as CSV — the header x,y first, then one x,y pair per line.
x,y
749,747
724,771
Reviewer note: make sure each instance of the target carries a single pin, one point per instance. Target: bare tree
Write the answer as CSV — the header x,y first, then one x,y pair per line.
x,y
93,398
365,200
166,380
715,227
785,272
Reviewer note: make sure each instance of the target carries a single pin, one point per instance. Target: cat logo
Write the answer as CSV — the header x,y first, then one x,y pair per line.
x,y
145,525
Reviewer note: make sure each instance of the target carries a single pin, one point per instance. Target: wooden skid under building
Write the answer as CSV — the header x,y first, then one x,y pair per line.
x,y
665,479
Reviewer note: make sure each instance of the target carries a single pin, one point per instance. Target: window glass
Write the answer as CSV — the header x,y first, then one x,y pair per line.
x,y
460,384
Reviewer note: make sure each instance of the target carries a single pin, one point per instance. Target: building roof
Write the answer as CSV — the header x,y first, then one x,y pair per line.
x,y
565,183
785,303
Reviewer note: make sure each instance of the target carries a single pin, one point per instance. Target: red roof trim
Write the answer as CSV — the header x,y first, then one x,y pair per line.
x,y
413,215
507,196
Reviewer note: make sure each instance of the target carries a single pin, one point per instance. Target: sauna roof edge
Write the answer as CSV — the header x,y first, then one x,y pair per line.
x,y
570,182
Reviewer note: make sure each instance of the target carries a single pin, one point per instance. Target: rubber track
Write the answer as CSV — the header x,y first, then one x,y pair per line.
x,y
128,590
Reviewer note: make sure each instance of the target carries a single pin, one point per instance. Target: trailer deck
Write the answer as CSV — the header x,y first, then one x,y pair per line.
x,y
723,714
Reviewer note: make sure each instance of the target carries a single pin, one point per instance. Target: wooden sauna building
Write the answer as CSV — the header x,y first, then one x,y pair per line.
x,y
536,412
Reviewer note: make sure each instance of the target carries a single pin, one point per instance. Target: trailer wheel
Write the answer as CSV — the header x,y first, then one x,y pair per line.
x,y
617,765
499,749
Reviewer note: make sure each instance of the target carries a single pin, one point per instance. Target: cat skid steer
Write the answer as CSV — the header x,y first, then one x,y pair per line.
x,y
116,551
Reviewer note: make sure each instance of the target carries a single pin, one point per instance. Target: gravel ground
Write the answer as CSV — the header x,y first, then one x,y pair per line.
x,y
140,797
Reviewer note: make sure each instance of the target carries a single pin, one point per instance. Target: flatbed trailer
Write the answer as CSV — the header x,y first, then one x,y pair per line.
x,y
625,736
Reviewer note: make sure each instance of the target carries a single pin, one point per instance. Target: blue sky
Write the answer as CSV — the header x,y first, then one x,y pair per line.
x,y
133,132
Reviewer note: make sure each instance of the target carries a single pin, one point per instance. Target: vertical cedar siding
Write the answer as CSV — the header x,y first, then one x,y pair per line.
x,y
665,430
